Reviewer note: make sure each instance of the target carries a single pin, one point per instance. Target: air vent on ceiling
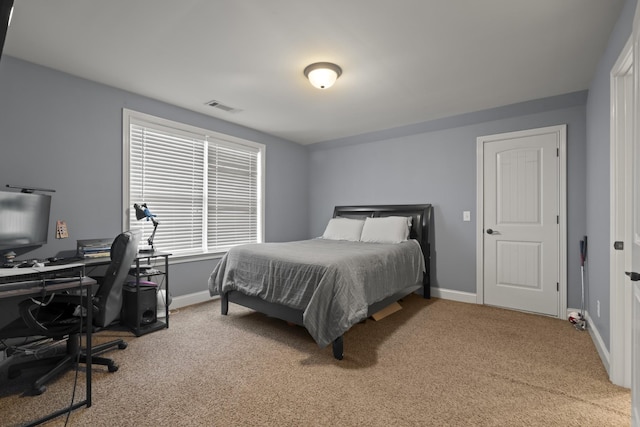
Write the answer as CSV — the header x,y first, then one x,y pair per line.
x,y
220,106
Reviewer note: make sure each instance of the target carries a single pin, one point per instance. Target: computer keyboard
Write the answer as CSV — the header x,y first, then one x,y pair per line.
x,y
28,277
48,271
33,281
10,286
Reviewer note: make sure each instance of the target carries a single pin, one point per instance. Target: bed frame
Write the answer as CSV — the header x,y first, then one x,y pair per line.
x,y
420,230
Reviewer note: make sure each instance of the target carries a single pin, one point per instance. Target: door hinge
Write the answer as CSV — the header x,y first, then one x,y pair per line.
x,y
618,245
557,286
557,219
557,152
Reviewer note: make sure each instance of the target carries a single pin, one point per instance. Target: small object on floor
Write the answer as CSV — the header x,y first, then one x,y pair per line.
x,y
390,309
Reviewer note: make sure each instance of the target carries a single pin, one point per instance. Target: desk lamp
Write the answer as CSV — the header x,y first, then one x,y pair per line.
x,y
142,211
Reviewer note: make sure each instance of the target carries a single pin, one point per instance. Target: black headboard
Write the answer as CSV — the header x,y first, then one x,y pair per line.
x,y
420,225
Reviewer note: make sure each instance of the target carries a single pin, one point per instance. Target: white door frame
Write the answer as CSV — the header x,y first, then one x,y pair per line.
x,y
562,205
620,212
635,227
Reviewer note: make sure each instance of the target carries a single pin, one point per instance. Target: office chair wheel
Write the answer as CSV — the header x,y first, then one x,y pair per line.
x,y
112,367
122,345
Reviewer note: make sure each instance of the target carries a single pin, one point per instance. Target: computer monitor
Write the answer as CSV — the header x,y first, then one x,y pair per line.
x,y
24,219
6,6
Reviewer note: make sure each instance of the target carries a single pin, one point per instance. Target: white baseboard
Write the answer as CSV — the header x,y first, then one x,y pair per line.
x,y
453,295
598,342
190,299
595,337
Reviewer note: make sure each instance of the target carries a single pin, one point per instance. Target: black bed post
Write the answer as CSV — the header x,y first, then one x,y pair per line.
x,y
426,286
338,348
427,221
224,303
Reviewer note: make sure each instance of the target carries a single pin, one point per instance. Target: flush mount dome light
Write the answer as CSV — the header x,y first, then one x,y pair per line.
x,y
322,74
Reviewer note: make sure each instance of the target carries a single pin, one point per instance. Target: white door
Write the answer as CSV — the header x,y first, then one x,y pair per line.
x,y
521,220
635,254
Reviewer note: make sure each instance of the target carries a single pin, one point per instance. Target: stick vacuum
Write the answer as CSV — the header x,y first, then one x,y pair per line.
x,y
581,324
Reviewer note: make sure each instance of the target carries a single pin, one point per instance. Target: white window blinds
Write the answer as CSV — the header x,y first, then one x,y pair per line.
x,y
204,190
233,201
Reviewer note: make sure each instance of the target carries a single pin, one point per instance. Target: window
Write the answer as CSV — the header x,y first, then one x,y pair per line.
x,y
205,188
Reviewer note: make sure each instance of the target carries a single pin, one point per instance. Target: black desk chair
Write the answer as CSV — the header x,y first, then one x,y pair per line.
x,y
57,319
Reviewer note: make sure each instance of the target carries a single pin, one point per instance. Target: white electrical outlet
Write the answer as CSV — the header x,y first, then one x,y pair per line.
x,y
598,308
466,216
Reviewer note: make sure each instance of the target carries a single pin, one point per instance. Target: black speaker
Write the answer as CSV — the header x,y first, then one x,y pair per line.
x,y
146,314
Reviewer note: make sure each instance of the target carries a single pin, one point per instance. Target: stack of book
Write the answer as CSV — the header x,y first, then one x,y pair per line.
x,y
94,248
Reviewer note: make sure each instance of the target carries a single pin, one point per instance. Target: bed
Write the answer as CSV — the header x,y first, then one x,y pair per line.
x,y
327,285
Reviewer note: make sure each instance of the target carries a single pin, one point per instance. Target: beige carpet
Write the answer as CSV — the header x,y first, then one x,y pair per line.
x,y
433,363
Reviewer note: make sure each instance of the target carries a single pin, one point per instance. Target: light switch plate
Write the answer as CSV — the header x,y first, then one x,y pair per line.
x,y
466,216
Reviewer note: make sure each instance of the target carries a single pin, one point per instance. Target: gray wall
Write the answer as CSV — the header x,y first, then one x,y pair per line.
x,y
598,178
65,133
435,162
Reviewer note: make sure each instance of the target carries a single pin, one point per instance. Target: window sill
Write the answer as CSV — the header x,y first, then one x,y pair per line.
x,y
178,259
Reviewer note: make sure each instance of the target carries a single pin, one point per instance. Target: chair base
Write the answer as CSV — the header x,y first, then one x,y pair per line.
x,y
74,354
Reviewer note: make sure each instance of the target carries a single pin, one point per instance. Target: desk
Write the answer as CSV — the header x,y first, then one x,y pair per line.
x,y
50,282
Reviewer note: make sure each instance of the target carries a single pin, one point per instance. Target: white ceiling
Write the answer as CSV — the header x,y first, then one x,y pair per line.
x,y
403,61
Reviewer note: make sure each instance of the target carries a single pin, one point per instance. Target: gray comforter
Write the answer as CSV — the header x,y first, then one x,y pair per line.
x,y
333,282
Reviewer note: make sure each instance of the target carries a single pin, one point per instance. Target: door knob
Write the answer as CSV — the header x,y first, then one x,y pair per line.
x,y
489,231
633,275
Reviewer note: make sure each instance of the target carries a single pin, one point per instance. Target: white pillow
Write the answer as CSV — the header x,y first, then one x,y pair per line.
x,y
390,229
344,229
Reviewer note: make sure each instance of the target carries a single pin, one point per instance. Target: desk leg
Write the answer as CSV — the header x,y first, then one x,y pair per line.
x,y
166,290
89,330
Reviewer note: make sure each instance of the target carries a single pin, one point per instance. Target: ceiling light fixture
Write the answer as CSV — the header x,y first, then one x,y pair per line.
x,y
322,74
